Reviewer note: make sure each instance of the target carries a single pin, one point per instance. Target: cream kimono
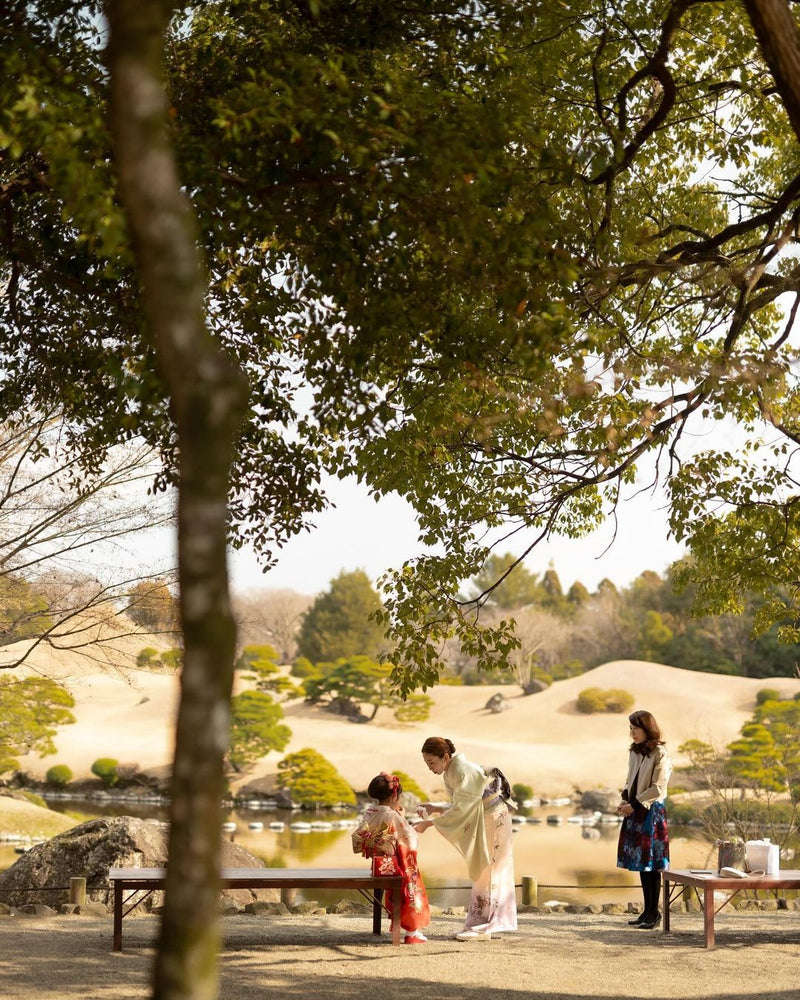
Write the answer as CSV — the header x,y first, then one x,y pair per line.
x,y
478,824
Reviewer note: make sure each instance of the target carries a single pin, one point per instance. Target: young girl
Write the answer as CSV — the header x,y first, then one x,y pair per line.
x,y
385,836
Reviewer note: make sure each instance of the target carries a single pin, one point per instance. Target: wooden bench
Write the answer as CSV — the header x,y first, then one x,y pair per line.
x,y
147,880
711,883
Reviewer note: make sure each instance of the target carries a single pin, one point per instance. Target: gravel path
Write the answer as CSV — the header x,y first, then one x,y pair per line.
x,y
554,956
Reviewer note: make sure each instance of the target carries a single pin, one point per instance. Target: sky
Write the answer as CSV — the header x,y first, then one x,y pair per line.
x,y
360,533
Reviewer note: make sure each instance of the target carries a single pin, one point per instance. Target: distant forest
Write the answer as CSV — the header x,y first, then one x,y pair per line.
x,y
566,633
561,634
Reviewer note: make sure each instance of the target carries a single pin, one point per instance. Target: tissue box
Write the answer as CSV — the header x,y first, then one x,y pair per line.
x,y
761,854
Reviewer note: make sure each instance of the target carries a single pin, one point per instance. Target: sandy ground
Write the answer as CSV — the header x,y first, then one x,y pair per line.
x,y
541,740
555,956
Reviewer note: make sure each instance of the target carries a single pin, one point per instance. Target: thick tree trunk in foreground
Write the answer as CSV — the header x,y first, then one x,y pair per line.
x,y
779,39
207,396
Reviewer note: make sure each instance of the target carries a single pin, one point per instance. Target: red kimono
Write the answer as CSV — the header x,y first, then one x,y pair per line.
x,y
391,842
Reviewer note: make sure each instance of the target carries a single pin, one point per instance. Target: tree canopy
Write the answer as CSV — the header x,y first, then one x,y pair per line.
x,y
339,623
502,258
609,256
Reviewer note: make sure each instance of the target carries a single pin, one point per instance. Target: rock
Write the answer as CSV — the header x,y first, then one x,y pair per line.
x,y
604,800
260,908
90,849
305,907
283,800
497,703
535,686
350,908
37,910
228,908
613,908
5,910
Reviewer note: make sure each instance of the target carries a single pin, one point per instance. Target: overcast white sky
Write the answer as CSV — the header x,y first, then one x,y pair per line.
x,y
362,534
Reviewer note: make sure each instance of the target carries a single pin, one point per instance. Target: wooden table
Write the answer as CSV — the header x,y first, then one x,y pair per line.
x,y
148,880
711,883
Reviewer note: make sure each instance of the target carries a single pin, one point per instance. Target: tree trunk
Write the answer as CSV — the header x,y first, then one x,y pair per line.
x,y
207,398
779,39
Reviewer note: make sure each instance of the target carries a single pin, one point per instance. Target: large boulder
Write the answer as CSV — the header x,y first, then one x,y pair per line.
x,y
90,849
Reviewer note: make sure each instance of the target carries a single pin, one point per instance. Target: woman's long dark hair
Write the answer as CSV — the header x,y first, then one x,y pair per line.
x,y
645,721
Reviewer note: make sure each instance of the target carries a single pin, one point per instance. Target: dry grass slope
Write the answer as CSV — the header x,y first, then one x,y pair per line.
x,y
541,740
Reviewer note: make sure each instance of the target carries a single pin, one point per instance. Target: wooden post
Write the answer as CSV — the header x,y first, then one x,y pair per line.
x,y
530,890
77,891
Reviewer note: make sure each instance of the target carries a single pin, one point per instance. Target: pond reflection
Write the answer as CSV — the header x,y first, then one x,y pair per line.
x,y
570,862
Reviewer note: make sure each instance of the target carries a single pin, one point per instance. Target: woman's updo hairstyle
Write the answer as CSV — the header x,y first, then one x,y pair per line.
x,y
438,746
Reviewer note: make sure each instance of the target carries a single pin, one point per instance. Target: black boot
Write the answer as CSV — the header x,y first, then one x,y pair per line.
x,y
646,894
651,882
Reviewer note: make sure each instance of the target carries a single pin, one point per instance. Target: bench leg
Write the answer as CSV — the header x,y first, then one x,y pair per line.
x,y
116,943
377,897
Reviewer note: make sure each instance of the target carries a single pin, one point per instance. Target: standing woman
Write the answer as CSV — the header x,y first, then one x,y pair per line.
x,y
643,837
478,824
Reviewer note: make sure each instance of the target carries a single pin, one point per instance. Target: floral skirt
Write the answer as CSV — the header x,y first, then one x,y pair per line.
x,y
644,840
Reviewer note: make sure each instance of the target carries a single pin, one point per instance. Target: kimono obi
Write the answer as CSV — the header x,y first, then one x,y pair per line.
x,y
493,793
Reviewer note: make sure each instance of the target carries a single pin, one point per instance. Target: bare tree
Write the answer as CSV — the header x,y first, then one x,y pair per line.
x,y
72,534
601,630
271,616
543,639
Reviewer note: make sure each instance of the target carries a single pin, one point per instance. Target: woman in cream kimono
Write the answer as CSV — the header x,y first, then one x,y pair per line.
x,y
478,824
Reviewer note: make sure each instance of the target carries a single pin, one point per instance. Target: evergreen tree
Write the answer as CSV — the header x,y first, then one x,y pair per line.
x,y
31,710
338,623
578,594
256,729
357,680
517,586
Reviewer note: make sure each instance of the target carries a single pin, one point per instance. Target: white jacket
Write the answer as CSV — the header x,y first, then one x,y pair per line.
x,y
652,775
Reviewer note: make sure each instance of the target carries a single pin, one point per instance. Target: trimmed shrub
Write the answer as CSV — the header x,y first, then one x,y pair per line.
x,y
522,792
311,780
410,786
106,770
618,700
148,658
767,694
592,700
303,667
58,774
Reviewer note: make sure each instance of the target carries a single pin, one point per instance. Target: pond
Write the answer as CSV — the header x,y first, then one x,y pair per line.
x,y
570,862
